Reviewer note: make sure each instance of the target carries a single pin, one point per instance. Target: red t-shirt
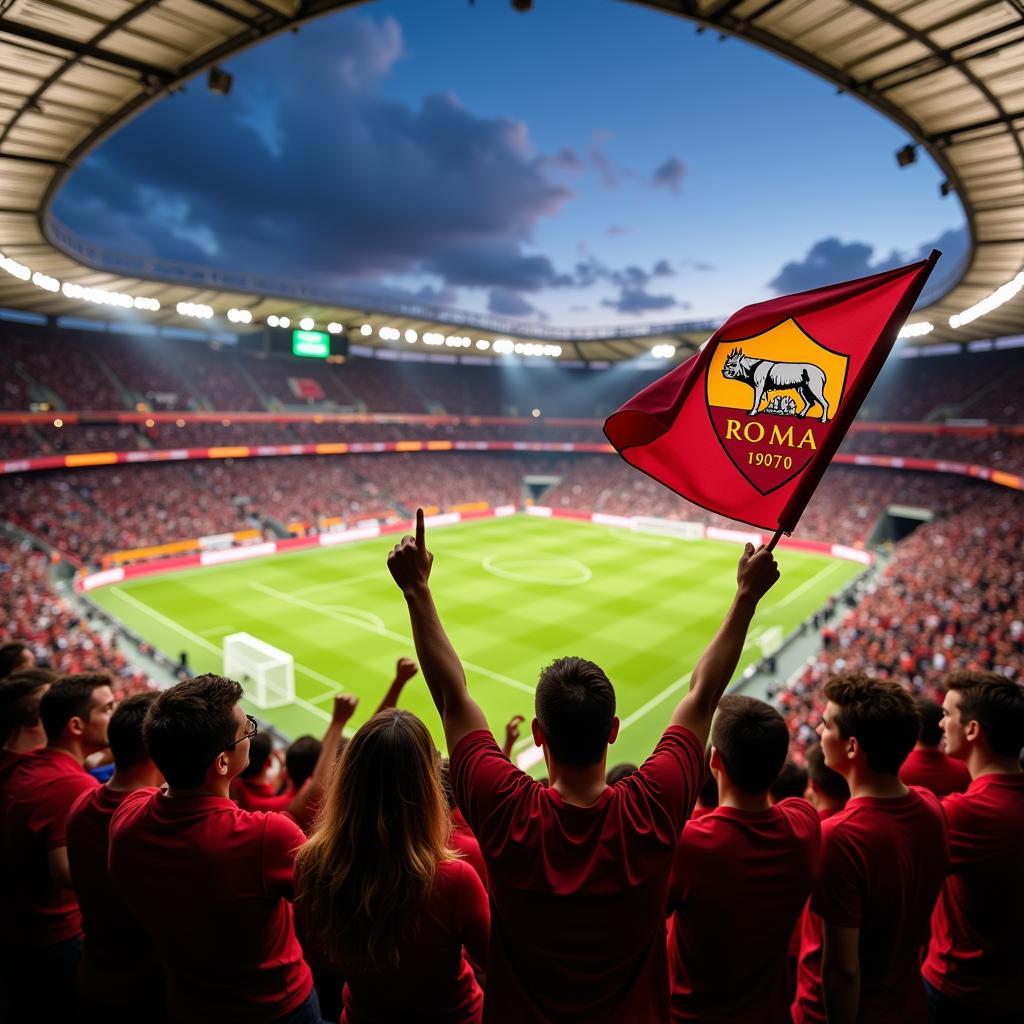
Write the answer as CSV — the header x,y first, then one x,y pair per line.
x,y
40,791
882,866
466,843
119,963
434,983
212,885
739,883
577,893
976,956
261,796
936,771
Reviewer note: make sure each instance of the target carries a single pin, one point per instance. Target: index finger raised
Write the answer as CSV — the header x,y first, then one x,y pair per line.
x,y
421,530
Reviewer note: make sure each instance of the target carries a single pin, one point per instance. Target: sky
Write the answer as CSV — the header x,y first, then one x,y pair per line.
x,y
588,163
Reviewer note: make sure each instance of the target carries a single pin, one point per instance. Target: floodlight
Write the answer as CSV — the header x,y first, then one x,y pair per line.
x,y
907,155
219,81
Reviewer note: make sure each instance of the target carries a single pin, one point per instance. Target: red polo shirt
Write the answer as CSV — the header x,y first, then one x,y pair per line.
x,y
40,791
465,842
577,893
739,883
261,796
212,885
119,963
975,954
936,771
883,862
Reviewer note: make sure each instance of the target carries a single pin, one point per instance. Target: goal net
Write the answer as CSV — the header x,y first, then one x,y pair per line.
x,y
266,673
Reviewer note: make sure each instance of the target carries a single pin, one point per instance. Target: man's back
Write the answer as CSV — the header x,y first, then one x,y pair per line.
x,y
882,866
578,893
934,770
119,962
39,792
739,884
974,956
211,884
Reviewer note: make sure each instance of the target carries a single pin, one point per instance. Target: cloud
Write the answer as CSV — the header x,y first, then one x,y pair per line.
x,y
830,260
617,229
566,159
503,302
662,269
670,175
379,189
637,300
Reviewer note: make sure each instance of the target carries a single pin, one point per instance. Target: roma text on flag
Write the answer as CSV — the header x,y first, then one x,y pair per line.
x,y
747,425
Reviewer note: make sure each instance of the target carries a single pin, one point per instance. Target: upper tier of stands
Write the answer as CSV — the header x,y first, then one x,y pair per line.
x,y
84,370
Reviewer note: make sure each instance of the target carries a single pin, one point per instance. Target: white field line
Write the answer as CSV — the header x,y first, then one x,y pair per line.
x,y
214,649
807,584
377,574
406,641
214,630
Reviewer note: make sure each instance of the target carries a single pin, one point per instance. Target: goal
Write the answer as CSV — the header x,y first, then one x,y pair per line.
x,y
266,673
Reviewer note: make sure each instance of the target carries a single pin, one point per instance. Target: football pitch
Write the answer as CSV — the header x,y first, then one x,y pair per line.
x,y
514,593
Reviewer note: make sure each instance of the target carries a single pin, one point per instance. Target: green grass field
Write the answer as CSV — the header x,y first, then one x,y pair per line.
x,y
514,593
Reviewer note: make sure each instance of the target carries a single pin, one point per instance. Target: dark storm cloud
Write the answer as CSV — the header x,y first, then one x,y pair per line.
x,y
503,302
830,260
670,175
380,188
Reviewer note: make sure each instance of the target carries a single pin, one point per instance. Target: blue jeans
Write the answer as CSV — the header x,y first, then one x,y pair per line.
x,y
307,1013
943,1010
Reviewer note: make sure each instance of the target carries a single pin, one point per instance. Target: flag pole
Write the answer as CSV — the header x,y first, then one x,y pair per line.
x,y
775,540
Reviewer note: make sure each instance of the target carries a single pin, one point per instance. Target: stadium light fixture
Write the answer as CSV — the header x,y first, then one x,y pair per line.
x,y
44,281
535,414
483,344
240,316
199,310
503,346
219,81
990,302
273,320
389,334
411,336
334,327
906,155
366,330
283,321
918,330
945,188
663,351
306,323
433,338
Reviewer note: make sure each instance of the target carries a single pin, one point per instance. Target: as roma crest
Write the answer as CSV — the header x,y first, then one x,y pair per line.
x,y
771,399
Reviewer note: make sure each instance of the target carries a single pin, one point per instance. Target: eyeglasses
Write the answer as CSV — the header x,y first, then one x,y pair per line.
x,y
247,735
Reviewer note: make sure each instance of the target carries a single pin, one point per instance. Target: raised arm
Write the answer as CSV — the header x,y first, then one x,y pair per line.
x,y
409,563
344,708
756,574
405,669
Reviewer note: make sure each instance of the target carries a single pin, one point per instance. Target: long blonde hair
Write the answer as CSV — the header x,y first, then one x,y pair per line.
x,y
368,869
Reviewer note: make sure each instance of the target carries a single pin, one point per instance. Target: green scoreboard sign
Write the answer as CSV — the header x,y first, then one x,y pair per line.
x,y
315,344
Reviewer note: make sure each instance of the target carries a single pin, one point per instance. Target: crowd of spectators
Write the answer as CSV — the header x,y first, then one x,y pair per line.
x,y
951,598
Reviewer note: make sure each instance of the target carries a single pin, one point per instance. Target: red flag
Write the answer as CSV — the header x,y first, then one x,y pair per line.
x,y
747,426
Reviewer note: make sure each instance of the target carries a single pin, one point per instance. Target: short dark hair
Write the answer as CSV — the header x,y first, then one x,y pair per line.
x,y
10,655
300,759
70,697
751,739
261,746
791,781
124,733
880,714
996,704
575,705
20,695
822,777
931,717
619,772
189,724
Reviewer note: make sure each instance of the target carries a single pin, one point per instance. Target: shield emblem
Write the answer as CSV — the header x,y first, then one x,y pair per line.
x,y
771,399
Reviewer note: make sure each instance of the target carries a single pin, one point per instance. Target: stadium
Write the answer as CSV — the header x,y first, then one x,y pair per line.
x,y
207,469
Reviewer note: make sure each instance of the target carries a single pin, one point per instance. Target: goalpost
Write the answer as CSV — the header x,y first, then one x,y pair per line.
x,y
266,673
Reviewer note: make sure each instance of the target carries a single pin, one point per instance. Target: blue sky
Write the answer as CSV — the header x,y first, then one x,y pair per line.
x,y
590,162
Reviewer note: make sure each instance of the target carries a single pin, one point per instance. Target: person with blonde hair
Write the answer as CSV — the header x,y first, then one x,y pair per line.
x,y
382,893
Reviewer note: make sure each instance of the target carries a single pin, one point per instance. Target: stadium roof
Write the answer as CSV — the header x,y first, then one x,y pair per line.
x,y
951,72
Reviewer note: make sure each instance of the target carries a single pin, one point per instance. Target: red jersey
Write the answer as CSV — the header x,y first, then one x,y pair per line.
x,y
974,956
434,983
40,791
936,771
882,866
261,796
577,893
212,885
465,842
119,963
739,883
